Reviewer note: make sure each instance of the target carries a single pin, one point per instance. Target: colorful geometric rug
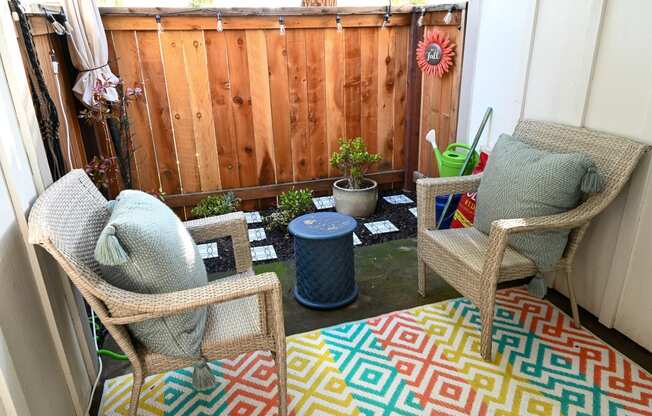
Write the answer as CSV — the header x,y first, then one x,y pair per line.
x,y
422,361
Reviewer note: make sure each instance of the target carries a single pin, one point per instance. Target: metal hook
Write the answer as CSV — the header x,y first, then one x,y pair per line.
x,y
159,27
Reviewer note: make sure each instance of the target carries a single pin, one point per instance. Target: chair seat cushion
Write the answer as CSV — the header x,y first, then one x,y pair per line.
x,y
230,323
521,181
468,246
145,248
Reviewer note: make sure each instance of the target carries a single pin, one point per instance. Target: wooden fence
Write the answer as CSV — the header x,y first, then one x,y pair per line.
x,y
260,111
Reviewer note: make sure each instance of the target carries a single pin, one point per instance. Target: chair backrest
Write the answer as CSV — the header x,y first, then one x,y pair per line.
x,y
67,220
615,157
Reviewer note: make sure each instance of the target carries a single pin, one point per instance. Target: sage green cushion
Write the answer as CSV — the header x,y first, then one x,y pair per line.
x,y
161,257
520,182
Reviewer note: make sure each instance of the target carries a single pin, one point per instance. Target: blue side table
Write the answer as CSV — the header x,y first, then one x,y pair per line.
x,y
323,250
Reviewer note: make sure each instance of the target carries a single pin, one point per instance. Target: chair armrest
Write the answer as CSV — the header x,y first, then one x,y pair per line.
x,y
565,220
231,225
139,307
501,229
429,188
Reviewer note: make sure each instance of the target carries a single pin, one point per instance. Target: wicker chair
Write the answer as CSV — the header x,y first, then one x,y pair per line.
x,y
244,310
473,262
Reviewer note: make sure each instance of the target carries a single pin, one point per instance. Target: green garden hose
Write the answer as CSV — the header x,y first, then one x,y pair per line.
x,y
111,354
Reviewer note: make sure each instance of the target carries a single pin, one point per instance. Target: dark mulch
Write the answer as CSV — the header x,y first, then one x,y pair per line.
x,y
399,215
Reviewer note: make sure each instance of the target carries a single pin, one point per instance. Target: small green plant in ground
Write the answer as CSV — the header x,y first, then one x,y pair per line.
x,y
353,160
291,204
216,205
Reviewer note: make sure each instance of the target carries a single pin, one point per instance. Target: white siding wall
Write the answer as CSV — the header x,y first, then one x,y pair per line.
x,y
584,63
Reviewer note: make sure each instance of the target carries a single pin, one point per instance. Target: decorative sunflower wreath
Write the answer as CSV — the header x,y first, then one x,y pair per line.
x,y
435,53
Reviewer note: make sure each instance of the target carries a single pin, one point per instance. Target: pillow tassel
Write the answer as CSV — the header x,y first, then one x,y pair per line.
x,y
202,378
537,286
592,181
108,250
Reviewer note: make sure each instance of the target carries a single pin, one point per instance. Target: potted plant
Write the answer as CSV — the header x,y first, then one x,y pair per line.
x,y
354,194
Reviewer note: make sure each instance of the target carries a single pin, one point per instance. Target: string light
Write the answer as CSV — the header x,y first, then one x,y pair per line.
x,y
220,27
388,14
449,16
423,13
281,25
338,21
159,27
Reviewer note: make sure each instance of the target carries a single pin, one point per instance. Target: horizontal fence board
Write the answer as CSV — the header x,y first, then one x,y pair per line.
x,y
244,23
270,191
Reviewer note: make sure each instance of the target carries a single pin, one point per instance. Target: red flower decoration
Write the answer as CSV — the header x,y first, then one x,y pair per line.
x,y
435,53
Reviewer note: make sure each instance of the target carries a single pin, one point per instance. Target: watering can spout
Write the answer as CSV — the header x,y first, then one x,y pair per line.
x,y
431,137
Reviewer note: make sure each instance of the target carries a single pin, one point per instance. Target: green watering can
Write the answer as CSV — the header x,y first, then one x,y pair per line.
x,y
450,162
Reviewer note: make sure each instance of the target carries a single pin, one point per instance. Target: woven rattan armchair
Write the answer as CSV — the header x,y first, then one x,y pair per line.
x,y
473,262
244,310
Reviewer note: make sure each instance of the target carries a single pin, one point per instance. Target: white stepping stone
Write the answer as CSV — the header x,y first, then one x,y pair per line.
x,y
398,199
414,211
380,227
257,234
263,253
208,250
253,217
356,240
324,202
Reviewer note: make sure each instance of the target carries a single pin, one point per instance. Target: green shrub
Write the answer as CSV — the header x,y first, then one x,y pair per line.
x,y
295,201
278,220
353,160
291,204
216,205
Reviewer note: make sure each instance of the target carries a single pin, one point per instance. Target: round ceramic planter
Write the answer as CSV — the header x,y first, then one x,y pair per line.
x,y
355,202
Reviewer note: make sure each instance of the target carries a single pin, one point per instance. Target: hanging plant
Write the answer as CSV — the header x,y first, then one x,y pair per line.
x,y
435,53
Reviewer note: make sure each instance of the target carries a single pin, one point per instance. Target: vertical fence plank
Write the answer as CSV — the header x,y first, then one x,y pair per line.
x,y
129,67
352,82
334,62
220,91
156,91
400,46
241,105
261,106
385,63
194,48
316,102
296,42
280,104
369,78
172,43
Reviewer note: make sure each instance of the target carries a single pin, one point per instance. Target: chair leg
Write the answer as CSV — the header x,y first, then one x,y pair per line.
x,y
281,372
135,392
487,322
279,352
573,300
422,278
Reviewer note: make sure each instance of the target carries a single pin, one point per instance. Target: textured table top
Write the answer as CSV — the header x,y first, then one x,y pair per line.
x,y
322,225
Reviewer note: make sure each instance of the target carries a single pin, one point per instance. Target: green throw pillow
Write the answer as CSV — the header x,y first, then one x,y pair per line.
x,y
145,248
521,181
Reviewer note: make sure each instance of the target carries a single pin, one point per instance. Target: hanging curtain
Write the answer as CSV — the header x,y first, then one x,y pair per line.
x,y
89,52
